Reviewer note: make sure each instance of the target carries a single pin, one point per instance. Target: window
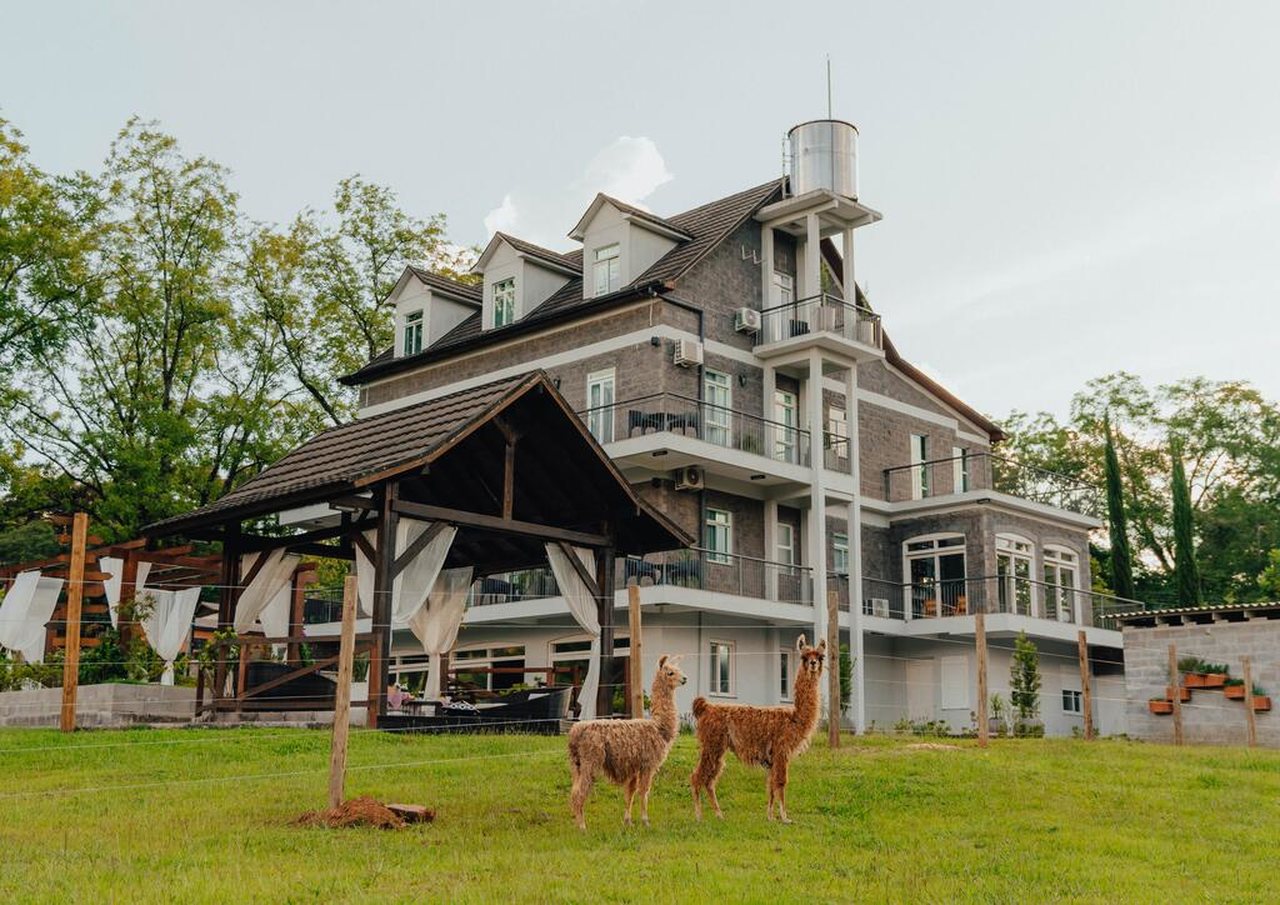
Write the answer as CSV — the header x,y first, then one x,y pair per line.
x,y
504,302
838,433
413,333
786,546
920,469
600,405
606,269
935,566
719,535
721,667
1060,584
840,553
491,669
718,396
784,676
1072,701
959,469
784,408
784,289
1013,574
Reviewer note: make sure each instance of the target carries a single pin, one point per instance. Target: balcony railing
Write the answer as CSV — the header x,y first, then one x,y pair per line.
x,y
988,471
820,314
991,594
689,417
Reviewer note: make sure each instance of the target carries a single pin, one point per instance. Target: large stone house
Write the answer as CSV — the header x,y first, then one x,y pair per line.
x,y
727,361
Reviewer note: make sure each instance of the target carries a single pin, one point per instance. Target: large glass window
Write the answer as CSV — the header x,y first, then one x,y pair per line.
x,y
504,302
606,270
840,553
784,677
600,399
1013,574
959,469
838,433
413,333
718,397
935,569
919,471
784,289
718,535
722,667
786,546
1060,583
784,412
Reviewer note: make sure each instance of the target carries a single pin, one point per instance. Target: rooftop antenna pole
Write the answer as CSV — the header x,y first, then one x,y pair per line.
x,y
828,86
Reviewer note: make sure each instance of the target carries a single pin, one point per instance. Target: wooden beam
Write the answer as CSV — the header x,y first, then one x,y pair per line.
x,y
253,542
228,594
383,583
588,579
75,595
637,653
604,606
1086,692
304,575
358,538
1176,694
496,523
1250,719
509,480
418,545
342,702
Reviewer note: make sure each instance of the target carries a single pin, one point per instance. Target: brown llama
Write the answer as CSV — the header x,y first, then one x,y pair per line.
x,y
629,752
768,737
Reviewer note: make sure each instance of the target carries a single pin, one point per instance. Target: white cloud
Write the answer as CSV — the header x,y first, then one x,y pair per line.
x,y
629,169
502,218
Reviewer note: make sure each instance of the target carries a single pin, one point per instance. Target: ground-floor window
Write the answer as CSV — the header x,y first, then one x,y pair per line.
x,y
721,667
489,669
784,686
1072,701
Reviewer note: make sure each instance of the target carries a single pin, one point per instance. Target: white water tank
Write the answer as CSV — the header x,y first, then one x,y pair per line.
x,y
824,155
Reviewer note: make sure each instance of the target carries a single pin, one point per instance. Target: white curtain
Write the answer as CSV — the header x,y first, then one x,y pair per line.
x,y
582,604
436,624
410,588
267,596
169,623
364,575
24,612
114,567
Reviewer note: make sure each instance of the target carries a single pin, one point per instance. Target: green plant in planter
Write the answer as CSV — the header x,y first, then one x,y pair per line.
x,y
1232,683
1215,669
1191,664
1259,691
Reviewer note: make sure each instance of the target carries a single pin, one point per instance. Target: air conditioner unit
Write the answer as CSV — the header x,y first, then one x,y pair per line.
x,y
747,320
879,606
689,478
688,353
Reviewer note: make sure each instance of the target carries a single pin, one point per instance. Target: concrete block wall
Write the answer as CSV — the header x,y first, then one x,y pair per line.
x,y
1209,718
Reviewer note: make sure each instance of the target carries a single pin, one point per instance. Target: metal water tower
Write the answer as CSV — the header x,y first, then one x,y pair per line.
x,y
824,155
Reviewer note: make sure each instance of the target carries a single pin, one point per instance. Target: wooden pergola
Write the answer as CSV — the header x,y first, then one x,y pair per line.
x,y
507,464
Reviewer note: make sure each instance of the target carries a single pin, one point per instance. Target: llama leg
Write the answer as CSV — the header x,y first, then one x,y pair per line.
x,y
778,780
717,769
582,780
704,777
646,783
768,783
629,790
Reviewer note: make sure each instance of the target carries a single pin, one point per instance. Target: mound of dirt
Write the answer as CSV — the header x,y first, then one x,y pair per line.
x,y
363,811
932,746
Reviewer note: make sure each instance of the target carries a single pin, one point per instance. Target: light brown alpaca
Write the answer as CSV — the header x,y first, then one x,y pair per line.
x,y
629,752
760,736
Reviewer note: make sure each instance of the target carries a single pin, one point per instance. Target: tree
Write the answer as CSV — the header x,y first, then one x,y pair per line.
x,y
1024,679
1186,575
1121,560
1269,580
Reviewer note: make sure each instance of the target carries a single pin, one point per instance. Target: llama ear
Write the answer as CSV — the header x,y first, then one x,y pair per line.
x,y
822,646
801,643
662,660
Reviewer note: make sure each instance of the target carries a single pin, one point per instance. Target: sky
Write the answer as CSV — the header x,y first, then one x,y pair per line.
x,y
1068,189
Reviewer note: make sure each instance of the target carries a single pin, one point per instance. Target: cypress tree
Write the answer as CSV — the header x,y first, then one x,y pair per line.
x,y
1121,558
1186,575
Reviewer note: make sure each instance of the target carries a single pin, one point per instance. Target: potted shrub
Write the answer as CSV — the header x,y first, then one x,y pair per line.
x,y
1215,675
1233,690
1192,672
1160,706
1261,702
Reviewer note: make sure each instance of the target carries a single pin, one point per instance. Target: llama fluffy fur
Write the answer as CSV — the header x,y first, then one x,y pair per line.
x,y
628,752
768,737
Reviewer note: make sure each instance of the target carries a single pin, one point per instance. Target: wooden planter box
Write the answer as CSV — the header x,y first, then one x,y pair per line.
x,y
1194,680
1160,708
1184,693
1214,679
1233,692
1261,703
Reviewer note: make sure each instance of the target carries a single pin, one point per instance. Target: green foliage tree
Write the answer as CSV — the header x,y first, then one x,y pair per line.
x,y
1186,575
1121,559
1024,679
1269,580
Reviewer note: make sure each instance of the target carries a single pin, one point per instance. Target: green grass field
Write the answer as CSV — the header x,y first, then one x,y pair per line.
x,y
204,815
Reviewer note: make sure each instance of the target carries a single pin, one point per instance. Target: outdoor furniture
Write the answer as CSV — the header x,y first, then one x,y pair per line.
x,y
685,572
640,569
496,590
683,421
644,421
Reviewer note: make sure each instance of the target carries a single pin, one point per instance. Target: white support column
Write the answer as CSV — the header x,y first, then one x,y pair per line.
x,y
856,645
812,257
850,287
816,542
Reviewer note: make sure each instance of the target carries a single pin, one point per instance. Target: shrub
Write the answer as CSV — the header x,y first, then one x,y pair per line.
x,y
1024,679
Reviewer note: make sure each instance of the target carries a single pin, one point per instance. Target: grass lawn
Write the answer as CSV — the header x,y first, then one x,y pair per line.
x,y
204,815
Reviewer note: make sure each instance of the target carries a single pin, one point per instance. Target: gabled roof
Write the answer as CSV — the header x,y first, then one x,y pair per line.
x,y
641,216
545,256
467,292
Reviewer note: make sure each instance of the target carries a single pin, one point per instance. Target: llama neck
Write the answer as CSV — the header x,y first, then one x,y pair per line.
x,y
806,699
662,705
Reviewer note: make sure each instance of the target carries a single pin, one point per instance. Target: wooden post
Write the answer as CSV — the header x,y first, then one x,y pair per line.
x,y
833,670
228,595
1085,689
604,604
1250,719
980,642
75,597
128,597
1176,695
342,696
637,661
304,575
383,582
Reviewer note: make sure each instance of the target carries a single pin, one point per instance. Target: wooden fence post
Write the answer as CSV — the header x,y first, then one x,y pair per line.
x,y
1085,690
1175,694
75,597
342,701
980,640
1250,719
637,663
833,670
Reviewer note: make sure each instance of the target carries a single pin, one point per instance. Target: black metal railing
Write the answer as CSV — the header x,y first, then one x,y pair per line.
x,y
820,314
988,471
689,417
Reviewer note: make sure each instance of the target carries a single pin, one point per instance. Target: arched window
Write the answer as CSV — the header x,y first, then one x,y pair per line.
x,y
934,566
1014,554
1061,581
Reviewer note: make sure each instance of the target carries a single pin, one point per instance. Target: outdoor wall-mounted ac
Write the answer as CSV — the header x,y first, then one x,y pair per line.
x,y
746,320
879,606
688,353
689,478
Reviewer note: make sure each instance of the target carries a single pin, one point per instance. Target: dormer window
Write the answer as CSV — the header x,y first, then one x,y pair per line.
x,y
413,333
607,269
504,302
